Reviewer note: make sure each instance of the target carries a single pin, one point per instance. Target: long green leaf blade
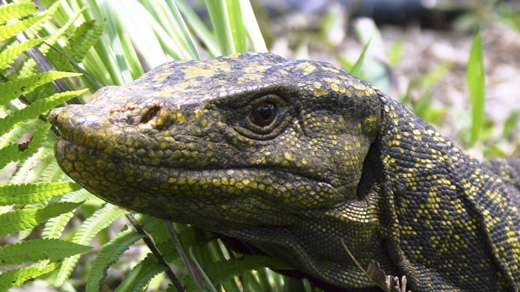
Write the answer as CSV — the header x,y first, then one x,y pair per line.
x,y
40,249
199,28
140,275
252,29
225,270
218,14
358,65
169,30
476,84
237,25
181,29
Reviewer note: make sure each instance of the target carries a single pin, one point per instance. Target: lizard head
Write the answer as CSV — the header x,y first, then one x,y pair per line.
x,y
252,146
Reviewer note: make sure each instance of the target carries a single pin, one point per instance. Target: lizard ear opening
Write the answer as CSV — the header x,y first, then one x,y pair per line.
x,y
372,172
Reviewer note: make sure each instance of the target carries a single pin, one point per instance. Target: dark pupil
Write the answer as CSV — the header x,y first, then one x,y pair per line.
x,y
264,114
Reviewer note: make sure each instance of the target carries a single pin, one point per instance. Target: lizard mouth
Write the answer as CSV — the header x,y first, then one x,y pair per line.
x,y
196,196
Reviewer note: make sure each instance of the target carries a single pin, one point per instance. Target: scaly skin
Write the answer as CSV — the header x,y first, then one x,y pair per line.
x,y
295,157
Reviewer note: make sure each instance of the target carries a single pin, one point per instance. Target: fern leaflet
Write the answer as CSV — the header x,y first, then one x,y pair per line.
x,y
17,277
88,229
37,108
22,86
8,56
55,226
40,249
17,10
18,152
19,220
83,38
35,192
10,30
108,254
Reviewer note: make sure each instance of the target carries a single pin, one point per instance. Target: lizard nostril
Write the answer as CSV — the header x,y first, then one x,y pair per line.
x,y
149,114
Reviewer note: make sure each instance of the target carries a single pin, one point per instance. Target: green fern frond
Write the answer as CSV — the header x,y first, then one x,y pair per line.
x,y
14,135
36,109
26,170
26,67
88,229
108,254
12,153
17,277
53,173
44,18
19,220
69,25
19,152
77,43
9,55
83,38
9,30
17,10
33,193
141,275
26,97
41,249
55,226
15,88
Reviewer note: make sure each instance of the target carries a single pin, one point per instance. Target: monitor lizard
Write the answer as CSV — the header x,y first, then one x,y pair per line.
x,y
297,157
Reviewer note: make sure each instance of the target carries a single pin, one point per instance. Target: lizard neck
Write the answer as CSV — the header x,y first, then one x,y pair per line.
x,y
438,203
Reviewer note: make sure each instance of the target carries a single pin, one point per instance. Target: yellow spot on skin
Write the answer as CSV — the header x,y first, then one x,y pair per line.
x,y
204,123
180,118
307,68
198,114
191,72
320,92
250,77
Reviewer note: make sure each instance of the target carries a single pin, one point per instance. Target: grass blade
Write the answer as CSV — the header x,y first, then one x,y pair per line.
x,y
476,82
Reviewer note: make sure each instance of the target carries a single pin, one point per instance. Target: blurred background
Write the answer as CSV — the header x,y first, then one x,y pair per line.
x,y
418,54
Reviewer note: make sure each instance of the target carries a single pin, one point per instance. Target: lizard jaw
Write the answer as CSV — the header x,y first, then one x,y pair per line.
x,y
188,195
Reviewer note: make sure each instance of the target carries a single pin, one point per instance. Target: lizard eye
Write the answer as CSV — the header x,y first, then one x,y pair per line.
x,y
264,114
262,118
